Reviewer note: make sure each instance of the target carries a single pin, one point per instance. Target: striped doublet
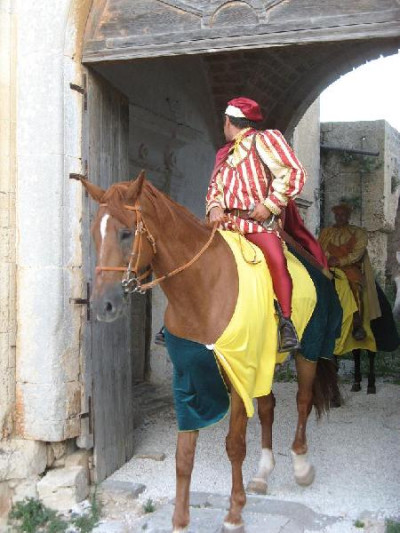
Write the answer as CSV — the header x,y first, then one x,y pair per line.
x,y
260,168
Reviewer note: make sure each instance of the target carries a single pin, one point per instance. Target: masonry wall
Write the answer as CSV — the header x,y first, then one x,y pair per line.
x,y
306,145
7,218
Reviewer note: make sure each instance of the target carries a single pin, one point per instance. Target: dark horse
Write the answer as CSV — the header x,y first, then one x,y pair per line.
x,y
137,226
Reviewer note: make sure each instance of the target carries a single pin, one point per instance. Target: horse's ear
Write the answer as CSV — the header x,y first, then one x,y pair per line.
x,y
94,191
135,188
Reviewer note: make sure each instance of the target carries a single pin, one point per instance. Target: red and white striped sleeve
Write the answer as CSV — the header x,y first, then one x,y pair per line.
x,y
215,194
288,173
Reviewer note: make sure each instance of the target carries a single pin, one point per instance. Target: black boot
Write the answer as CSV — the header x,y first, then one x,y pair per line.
x,y
288,340
159,337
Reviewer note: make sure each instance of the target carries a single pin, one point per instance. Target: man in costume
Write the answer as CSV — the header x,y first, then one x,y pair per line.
x,y
345,246
255,175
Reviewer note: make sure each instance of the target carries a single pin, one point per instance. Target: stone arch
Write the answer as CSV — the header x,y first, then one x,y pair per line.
x,y
279,53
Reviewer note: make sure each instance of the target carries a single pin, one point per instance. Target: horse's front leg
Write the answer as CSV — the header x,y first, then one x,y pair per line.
x,y
236,450
185,451
259,483
304,471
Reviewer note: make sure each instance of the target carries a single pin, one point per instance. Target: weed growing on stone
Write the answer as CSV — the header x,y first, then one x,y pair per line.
x,y
392,526
359,524
32,516
149,506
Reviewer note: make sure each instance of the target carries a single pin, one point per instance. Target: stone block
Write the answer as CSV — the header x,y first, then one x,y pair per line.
x,y
111,489
20,459
5,498
62,488
155,456
78,458
25,489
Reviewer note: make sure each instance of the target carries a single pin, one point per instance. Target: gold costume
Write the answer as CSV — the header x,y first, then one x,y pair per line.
x,y
349,245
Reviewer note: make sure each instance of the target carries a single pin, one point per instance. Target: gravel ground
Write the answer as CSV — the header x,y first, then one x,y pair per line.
x,y
355,450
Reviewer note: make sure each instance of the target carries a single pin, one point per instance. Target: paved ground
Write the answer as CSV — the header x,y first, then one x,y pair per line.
x,y
355,451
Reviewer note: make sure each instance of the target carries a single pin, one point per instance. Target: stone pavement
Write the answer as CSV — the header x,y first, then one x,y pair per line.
x,y
261,515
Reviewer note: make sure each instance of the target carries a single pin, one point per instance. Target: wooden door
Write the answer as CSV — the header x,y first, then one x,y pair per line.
x,y
114,353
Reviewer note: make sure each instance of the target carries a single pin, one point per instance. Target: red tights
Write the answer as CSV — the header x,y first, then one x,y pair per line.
x,y
271,246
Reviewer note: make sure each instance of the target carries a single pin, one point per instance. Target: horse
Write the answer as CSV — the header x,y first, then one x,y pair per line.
x,y
381,333
137,227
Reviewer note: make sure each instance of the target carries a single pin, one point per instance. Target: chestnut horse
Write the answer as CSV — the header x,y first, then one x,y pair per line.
x,y
136,225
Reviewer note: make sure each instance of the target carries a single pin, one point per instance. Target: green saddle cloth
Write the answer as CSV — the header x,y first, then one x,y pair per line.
x,y
200,395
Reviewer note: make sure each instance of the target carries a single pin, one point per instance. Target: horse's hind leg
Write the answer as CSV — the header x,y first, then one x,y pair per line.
x,y
304,472
356,387
258,484
236,450
185,450
371,376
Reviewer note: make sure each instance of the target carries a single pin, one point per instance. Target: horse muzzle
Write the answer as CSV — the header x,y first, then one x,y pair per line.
x,y
110,305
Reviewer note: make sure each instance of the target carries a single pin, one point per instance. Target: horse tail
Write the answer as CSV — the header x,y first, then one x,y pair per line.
x,y
325,388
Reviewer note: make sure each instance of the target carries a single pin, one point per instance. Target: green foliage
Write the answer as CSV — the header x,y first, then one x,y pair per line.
x,y
284,372
31,516
359,523
366,164
394,183
87,522
149,506
392,526
353,201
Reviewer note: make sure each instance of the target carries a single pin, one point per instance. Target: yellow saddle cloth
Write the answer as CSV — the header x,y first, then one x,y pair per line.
x,y
247,350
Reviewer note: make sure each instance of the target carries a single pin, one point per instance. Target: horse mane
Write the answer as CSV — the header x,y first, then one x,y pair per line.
x,y
115,198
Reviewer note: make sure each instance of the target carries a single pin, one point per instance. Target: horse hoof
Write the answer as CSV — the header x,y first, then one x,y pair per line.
x,y
307,478
356,387
228,527
371,389
257,486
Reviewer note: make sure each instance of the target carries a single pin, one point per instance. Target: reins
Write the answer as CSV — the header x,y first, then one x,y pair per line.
x,y
131,281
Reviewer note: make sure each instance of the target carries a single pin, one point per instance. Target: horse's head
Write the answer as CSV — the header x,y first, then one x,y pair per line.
x,y
117,233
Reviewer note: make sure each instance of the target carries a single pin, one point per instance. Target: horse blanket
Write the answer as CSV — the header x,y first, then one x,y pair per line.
x,y
247,349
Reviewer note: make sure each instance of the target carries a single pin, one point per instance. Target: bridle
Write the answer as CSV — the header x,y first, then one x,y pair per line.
x,y
131,280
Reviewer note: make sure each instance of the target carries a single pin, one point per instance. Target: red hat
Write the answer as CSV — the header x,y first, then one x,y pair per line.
x,y
244,108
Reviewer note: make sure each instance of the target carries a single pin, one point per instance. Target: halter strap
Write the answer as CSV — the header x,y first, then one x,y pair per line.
x,y
131,280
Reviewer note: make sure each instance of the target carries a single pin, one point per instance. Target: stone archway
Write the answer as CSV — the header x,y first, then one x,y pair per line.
x,y
280,53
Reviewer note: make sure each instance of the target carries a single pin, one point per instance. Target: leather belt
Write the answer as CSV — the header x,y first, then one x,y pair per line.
x,y
242,213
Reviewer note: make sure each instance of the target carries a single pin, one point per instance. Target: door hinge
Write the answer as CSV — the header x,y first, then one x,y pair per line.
x,y
83,301
81,89
88,414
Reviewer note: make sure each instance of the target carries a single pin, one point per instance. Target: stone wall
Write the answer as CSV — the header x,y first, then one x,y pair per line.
x,y
368,182
306,146
7,218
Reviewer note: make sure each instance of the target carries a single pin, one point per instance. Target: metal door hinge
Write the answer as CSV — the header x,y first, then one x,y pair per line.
x,y
81,89
83,301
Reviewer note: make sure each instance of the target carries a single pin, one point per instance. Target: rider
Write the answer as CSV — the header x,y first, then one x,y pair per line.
x,y
255,175
345,246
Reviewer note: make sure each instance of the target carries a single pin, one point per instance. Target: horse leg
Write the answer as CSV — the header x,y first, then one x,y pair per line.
x,y
304,471
258,484
371,389
185,450
356,387
236,450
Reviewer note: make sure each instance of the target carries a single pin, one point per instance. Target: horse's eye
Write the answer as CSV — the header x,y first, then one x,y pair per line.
x,y
125,234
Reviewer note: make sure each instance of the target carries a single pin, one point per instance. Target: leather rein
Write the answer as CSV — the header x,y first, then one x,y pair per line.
x,y
131,280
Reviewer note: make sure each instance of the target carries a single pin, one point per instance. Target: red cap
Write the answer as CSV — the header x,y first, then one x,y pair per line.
x,y
244,108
